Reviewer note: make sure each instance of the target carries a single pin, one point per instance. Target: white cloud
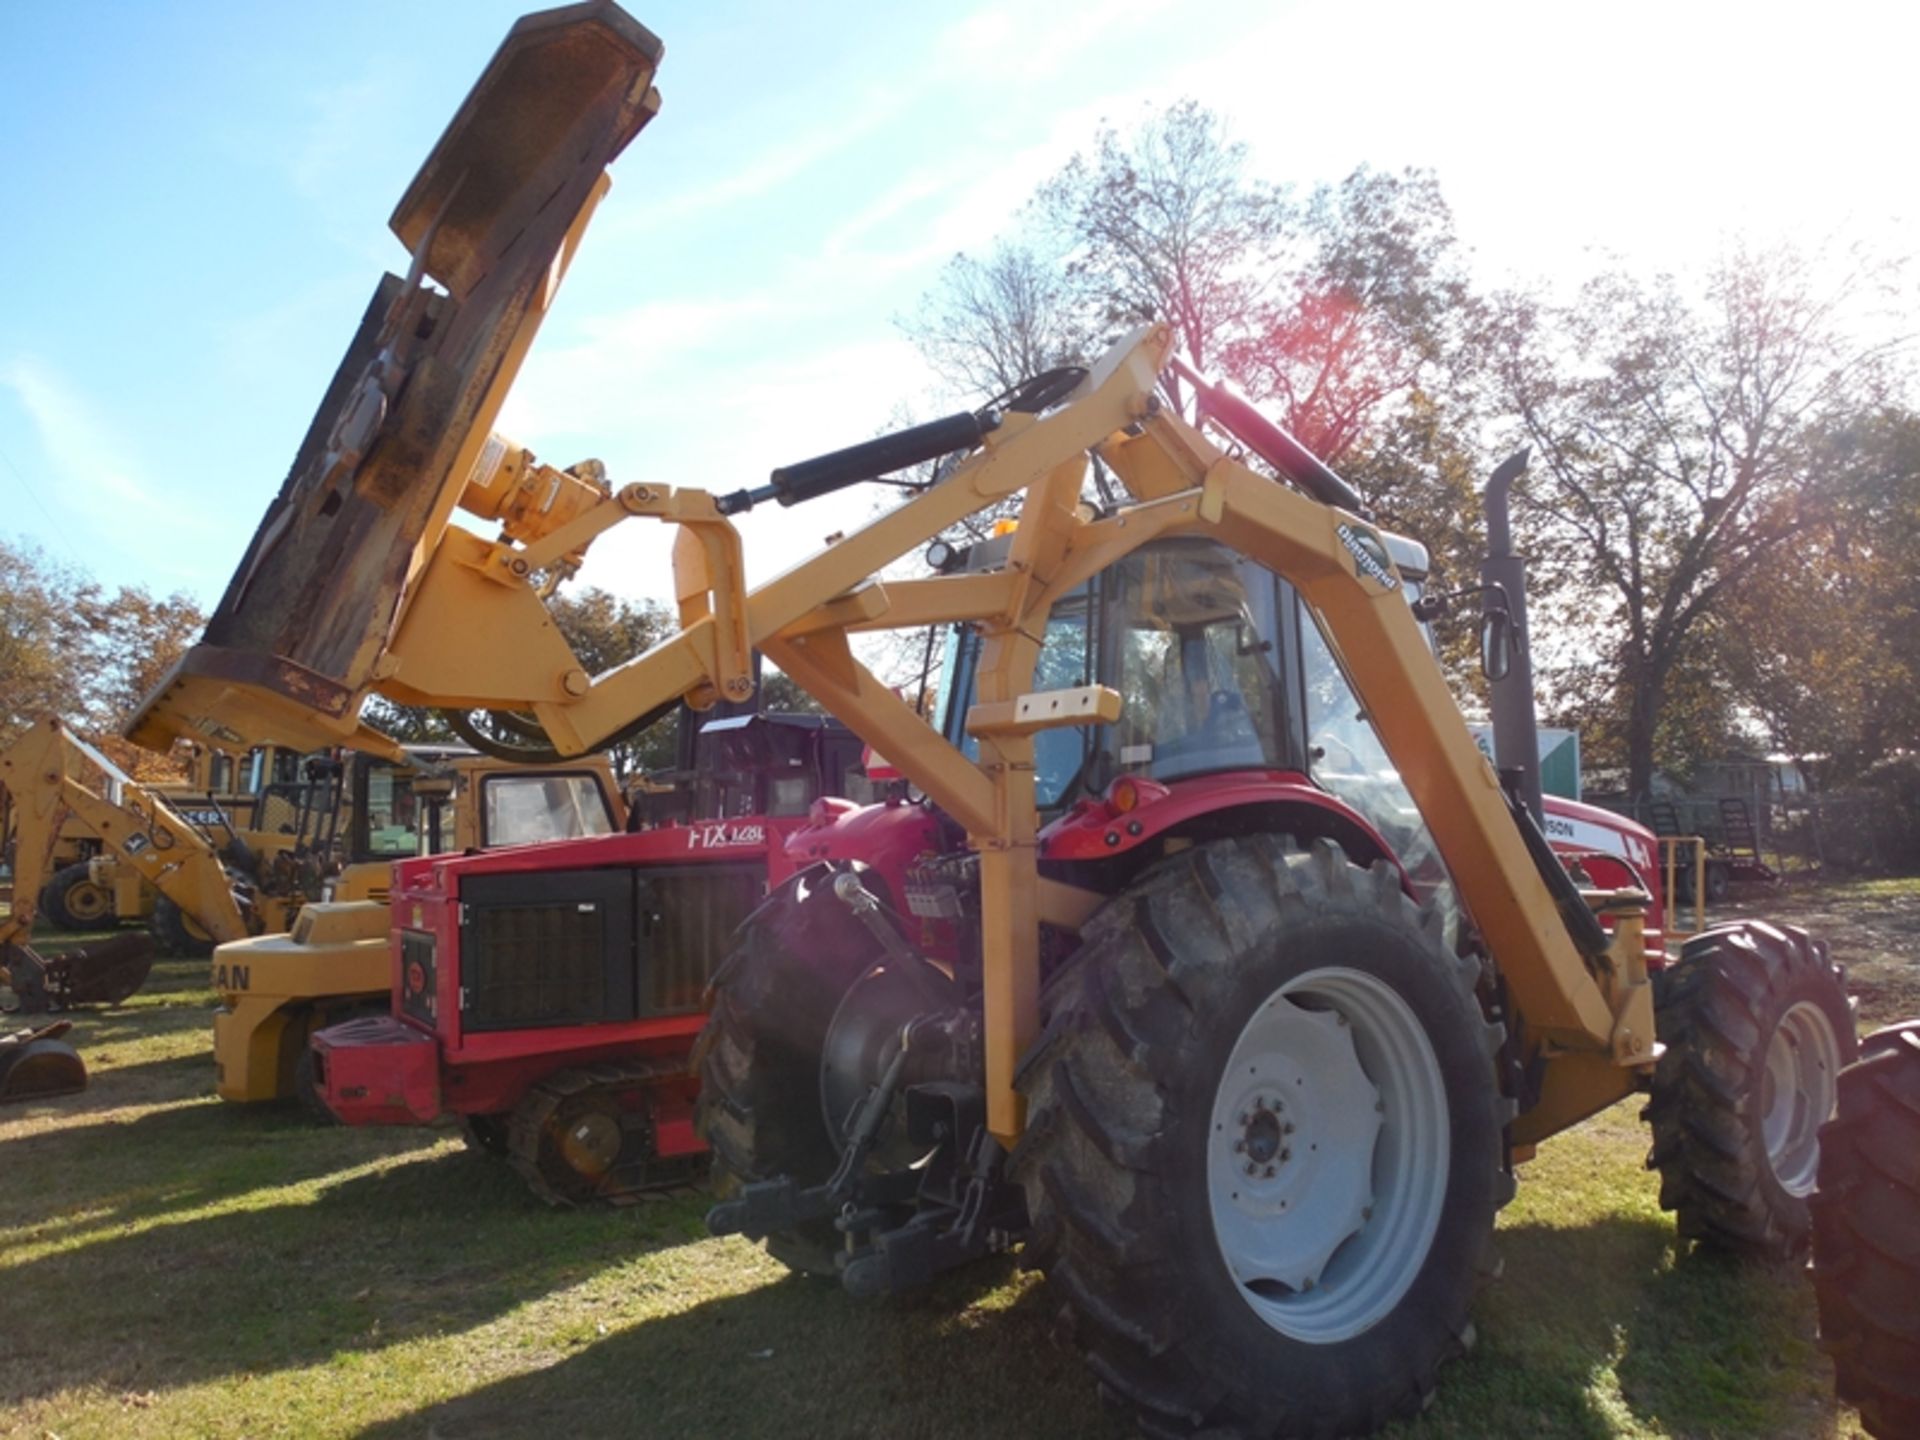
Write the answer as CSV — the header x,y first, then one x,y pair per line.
x,y
102,498
94,467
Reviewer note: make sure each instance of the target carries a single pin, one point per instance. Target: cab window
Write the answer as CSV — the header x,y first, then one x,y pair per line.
x,y
1197,670
530,809
1348,760
390,819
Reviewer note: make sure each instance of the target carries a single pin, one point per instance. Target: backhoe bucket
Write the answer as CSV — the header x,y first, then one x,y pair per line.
x,y
36,1064
289,653
104,973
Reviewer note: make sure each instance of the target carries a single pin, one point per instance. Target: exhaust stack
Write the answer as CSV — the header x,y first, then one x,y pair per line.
x,y
1516,736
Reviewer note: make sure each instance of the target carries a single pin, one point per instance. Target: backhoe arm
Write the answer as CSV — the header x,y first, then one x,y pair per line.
x,y
50,774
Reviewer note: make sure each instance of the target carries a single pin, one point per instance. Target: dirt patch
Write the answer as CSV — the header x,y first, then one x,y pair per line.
x,y
1873,927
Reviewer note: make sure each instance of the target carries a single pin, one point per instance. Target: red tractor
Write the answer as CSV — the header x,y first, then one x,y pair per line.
x,y
548,995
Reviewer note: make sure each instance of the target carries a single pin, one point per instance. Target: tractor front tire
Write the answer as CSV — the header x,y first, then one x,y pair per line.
x,y
1264,1146
774,997
177,932
74,903
1757,1026
1866,1234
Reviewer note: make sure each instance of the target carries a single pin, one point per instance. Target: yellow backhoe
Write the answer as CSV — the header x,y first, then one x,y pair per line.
x,y
1241,1061
257,795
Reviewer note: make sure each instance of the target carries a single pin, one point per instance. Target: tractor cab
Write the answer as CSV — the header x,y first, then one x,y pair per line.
x,y
1227,679
1233,696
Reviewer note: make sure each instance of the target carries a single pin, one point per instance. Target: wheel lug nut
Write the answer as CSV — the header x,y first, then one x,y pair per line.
x,y
1287,1129
1246,1119
1252,1169
1239,1147
1269,1172
1286,1154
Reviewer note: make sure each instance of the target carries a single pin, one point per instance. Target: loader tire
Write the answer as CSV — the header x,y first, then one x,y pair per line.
x,y
1866,1234
1757,1026
1264,1145
774,996
178,933
71,900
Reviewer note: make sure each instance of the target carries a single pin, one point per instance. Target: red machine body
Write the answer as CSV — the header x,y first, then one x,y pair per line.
x,y
431,1058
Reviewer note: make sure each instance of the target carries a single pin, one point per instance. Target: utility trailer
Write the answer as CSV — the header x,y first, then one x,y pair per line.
x,y
1237,1092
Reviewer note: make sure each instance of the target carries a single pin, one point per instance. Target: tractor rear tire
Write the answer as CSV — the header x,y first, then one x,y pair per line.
x,y
1757,1026
74,903
1264,1147
774,997
178,933
1866,1234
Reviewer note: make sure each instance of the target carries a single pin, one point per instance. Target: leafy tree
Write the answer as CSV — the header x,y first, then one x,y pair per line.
x,y
1365,319
1676,444
72,649
38,673
1823,641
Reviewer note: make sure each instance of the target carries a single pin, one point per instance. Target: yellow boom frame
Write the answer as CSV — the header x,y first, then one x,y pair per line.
x,y
468,627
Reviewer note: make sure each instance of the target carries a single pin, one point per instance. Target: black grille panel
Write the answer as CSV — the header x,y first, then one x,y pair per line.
x,y
583,947
687,917
537,965
546,949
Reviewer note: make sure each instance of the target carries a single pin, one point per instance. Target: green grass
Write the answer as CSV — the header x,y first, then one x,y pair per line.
x,y
173,1266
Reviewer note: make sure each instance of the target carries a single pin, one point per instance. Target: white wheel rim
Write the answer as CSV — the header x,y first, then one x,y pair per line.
x,y
1327,1155
1798,1089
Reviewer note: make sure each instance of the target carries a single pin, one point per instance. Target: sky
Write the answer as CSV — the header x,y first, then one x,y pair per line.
x,y
198,196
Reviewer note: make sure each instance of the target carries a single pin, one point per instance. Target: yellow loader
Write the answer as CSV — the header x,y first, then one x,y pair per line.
x,y
1217,973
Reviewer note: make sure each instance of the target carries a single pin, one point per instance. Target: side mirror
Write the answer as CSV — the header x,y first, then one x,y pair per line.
x,y
1496,643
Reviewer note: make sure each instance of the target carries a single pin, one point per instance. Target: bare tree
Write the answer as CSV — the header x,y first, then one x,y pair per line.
x,y
992,323
1167,225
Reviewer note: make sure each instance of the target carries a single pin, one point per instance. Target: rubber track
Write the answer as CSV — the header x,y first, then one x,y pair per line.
x,y
529,1119
1092,1154
1712,1007
1866,1234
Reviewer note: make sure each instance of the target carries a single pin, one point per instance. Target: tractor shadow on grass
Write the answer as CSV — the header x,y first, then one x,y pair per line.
x,y
1596,1330
424,1242
1591,1324
84,1172
970,1356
